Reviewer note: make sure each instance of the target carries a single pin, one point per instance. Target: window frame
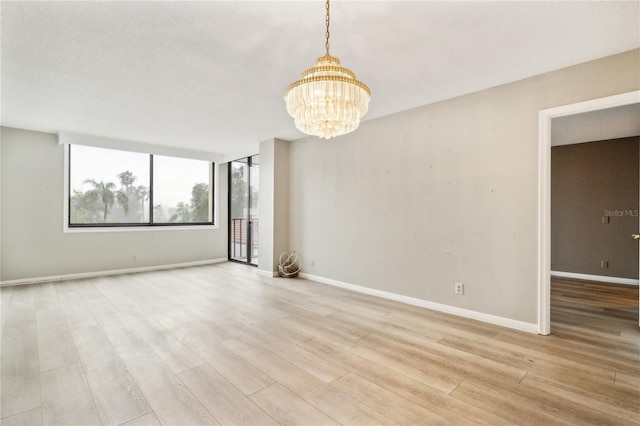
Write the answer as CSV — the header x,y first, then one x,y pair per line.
x,y
142,226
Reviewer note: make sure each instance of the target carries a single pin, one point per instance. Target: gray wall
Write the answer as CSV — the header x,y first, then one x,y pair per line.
x,y
414,202
589,181
33,243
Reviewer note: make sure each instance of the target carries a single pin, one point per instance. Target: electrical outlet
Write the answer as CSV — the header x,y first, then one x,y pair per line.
x,y
459,288
604,263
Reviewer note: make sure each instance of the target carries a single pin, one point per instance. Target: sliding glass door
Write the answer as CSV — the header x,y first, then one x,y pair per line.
x,y
244,185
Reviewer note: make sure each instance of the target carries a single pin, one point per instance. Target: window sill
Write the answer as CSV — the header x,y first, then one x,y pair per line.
x,y
86,230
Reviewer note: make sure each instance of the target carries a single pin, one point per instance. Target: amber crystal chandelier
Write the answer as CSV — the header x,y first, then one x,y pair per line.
x,y
328,100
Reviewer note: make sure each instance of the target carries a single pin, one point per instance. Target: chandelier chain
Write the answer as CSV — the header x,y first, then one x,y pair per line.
x,y
327,34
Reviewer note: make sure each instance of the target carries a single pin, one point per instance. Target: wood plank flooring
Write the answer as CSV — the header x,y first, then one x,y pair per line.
x,y
221,345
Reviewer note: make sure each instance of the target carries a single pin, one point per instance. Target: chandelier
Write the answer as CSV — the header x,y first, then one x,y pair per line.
x,y
328,100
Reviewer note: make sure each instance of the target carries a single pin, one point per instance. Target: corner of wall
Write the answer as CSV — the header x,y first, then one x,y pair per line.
x,y
273,203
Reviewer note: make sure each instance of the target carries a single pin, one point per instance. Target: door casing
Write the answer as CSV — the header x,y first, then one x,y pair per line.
x,y
544,191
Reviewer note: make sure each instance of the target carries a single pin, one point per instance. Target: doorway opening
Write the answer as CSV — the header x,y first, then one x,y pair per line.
x,y
544,187
244,188
594,211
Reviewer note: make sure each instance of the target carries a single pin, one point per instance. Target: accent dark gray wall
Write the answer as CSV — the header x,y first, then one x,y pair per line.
x,y
589,181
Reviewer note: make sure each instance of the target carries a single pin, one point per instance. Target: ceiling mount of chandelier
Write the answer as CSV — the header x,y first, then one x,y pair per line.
x,y
327,100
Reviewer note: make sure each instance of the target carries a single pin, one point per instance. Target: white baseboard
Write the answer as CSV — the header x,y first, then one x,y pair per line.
x,y
36,280
600,278
466,313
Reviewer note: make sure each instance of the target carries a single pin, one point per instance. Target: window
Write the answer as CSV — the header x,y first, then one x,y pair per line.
x,y
244,187
181,190
118,188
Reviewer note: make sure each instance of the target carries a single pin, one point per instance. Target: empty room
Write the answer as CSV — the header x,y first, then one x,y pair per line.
x,y
319,212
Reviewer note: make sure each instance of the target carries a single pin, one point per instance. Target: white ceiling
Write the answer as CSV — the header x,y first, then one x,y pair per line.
x,y
211,75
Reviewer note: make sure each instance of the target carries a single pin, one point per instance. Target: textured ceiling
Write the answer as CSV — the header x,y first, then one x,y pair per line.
x,y
211,75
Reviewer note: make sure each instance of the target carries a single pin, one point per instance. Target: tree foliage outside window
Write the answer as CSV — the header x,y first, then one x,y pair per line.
x,y
105,194
239,188
200,202
181,190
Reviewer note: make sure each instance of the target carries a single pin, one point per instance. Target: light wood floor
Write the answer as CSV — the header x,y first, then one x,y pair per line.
x,y
219,344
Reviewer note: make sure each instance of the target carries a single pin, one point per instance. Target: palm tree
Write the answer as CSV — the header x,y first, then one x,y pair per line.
x,y
126,178
107,194
183,212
